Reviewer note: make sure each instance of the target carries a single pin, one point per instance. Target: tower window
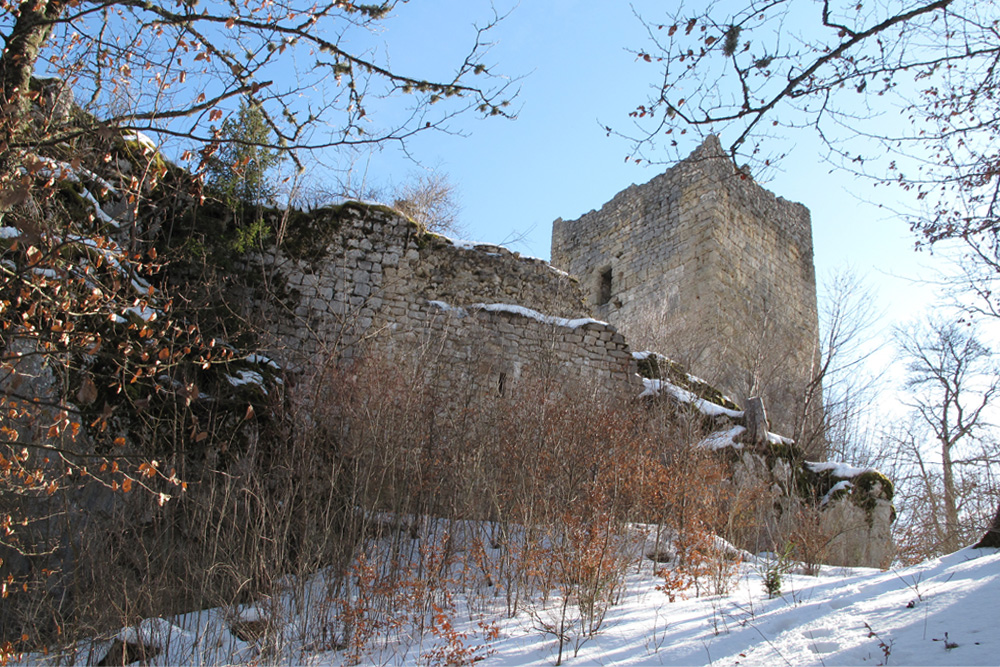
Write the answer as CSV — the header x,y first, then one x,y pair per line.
x,y
604,286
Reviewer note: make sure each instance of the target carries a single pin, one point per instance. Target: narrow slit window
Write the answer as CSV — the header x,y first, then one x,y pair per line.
x,y
502,384
604,286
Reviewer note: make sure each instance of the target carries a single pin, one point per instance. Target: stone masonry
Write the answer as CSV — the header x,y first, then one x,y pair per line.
x,y
476,320
477,316
704,265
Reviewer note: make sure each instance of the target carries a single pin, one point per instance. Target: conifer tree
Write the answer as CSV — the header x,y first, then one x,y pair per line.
x,y
239,173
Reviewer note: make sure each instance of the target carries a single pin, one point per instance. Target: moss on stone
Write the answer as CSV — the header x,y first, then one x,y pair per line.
x,y
658,367
839,494
785,451
649,367
713,395
200,232
425,239
676,374
811,485
866,482
377,208
866,489
309,233
143,156
70,195
870,487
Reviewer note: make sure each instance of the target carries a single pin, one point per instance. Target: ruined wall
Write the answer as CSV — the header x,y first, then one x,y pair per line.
x,y
486,351
479,323
359,276
706,266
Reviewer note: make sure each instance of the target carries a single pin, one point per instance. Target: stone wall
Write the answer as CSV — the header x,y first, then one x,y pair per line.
x,y
479,316
706,266
487,351
478,321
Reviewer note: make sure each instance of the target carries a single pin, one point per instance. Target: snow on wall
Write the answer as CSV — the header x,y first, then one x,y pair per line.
x,y
477,320
463,309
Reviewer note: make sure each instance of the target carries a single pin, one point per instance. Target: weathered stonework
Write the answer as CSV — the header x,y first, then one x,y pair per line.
x,y
379,279
839,522
707,267
478,319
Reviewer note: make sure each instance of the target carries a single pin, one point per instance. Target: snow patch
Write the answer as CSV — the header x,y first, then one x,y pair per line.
x,y
98,211
153,633
145,313
246,377
142,139
839,486
654,387
535,315
448,308
66,171
261,359
776,439
837,469
518,310
722,439
110,253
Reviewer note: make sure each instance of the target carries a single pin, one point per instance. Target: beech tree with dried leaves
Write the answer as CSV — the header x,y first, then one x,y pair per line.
x,y
103,365
317,72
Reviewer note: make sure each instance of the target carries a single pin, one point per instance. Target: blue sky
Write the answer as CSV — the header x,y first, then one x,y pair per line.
x,y
571,60
555,160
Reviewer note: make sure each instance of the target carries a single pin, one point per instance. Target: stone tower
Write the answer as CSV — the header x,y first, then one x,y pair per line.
x,y
706,266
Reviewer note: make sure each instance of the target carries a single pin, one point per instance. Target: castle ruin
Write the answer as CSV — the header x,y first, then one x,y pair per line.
x,y
706,266
700,251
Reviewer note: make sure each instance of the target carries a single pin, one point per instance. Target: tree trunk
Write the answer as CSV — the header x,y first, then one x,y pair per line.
x,y
950,500
992,536
17,63
756,420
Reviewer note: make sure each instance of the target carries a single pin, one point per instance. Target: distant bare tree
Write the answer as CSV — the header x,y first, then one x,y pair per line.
x,y
848,384
431,200
953,378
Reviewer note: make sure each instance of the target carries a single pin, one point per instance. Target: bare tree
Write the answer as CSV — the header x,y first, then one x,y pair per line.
x,y
431,200
953,379
759,70
849,384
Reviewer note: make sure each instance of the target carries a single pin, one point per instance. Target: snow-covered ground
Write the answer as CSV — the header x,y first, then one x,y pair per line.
x,y
941,612
843,616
